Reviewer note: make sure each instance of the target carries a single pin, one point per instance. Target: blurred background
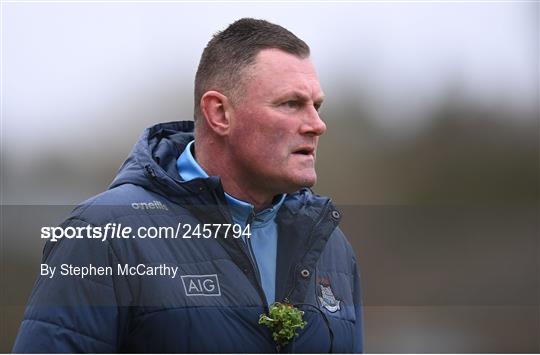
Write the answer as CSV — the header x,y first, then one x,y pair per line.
x,y
432,148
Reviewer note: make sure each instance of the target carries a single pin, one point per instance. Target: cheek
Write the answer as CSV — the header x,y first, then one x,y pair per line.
x,y
262,137
269,149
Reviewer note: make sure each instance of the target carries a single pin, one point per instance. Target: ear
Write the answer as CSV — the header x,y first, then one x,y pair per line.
x,y
216,109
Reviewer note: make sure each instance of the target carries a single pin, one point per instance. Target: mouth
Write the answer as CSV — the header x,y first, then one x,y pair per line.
x,y
307,151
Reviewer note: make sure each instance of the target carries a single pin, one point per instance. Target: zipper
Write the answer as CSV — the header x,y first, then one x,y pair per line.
x,y
253,261
248,252
246,248
254,264
248,243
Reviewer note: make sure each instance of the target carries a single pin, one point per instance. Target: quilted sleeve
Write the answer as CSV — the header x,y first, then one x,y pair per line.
x,y
70,313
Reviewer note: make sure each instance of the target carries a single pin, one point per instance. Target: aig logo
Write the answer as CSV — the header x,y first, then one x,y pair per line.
x,y
201,285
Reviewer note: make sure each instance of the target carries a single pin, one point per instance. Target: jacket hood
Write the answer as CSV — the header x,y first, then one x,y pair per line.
x,y
152,161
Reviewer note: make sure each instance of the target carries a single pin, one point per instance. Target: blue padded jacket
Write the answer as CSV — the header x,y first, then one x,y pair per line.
x,y
316,270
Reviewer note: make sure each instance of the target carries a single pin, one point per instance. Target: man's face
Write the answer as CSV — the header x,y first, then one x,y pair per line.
x,y
275,126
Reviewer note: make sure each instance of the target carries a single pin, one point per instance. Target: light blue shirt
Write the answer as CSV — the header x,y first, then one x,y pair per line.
x,y
263,241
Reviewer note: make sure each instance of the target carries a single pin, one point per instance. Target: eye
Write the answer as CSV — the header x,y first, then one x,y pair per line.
x,y
317,106
291,104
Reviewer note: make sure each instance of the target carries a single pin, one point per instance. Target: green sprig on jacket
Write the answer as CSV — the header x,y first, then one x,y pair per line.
x,y
283,320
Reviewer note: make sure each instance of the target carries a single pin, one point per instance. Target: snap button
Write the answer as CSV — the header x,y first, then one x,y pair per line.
x,y
335,214
304,273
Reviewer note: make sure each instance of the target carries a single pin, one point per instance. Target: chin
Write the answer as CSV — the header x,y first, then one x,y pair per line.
x,y
291,183
305,181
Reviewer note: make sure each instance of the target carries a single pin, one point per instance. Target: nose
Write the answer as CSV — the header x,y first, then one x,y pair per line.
x,y
313,124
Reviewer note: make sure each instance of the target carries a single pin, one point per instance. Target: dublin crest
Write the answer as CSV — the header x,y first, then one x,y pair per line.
x,y
327,298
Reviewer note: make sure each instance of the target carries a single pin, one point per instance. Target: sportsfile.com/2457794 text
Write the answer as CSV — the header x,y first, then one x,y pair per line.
x,y
118,231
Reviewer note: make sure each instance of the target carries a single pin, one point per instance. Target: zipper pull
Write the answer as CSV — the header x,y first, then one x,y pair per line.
x,y
150,171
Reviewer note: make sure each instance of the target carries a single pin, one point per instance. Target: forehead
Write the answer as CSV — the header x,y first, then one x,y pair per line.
x,y
278,73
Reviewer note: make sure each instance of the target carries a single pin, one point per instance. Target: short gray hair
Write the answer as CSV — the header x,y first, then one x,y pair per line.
x,y
234,49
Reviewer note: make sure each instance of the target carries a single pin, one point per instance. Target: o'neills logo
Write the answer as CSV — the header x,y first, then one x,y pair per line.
x,y
154,205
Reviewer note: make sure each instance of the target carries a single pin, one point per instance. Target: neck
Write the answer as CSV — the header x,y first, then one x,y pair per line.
x,y
236,186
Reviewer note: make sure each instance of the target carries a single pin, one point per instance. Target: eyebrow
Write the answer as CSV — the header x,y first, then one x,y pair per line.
x,y
301,96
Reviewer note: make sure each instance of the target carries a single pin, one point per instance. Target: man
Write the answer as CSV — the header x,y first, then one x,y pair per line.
x,y
248,164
